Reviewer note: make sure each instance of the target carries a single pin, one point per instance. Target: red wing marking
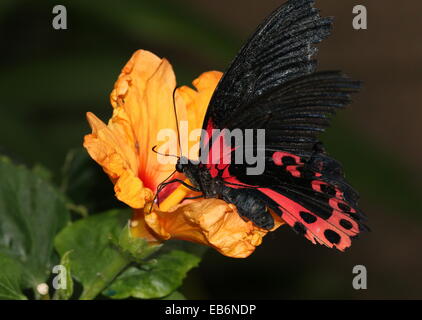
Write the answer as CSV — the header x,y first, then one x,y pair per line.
x,y
279,156
218,150
329,232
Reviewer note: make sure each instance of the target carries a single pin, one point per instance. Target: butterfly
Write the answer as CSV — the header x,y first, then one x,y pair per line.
x,y
272,85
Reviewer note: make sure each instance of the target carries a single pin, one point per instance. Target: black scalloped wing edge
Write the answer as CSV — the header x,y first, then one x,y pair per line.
x,y
280,50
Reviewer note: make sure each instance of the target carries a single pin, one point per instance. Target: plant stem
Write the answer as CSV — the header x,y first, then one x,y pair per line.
x,y
104,278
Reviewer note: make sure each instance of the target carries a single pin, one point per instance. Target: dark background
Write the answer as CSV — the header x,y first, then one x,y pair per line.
x,y
50,78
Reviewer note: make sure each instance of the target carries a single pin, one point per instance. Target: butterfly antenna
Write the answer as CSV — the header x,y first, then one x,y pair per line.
x,y
161,185
178,131
159,188
177,120
163,154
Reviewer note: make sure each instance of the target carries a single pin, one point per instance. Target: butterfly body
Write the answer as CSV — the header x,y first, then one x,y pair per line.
x,y
216,187
273,85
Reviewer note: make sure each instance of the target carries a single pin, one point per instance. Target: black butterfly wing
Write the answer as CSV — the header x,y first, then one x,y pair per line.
x,y
280,50
272,85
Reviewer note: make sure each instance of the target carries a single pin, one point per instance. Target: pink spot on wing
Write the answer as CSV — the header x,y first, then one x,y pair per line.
x,y
293,171
279,155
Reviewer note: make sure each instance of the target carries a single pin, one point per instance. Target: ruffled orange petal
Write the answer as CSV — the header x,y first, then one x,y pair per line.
x,y
211,222
139,228
143,95
110,149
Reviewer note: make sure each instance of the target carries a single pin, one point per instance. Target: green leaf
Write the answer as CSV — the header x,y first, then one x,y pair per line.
x,y
137,248
65,293
11,278
42,172
31,213
176,295
95,261
159,276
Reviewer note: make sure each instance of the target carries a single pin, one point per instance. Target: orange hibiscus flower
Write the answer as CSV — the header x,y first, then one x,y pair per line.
x,y
143,105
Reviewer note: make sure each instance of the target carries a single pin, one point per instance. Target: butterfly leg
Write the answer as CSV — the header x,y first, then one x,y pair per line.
x,y
193,198
181,182
162,185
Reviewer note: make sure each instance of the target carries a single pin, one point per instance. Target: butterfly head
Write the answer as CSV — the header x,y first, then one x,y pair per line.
x,y
182,164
